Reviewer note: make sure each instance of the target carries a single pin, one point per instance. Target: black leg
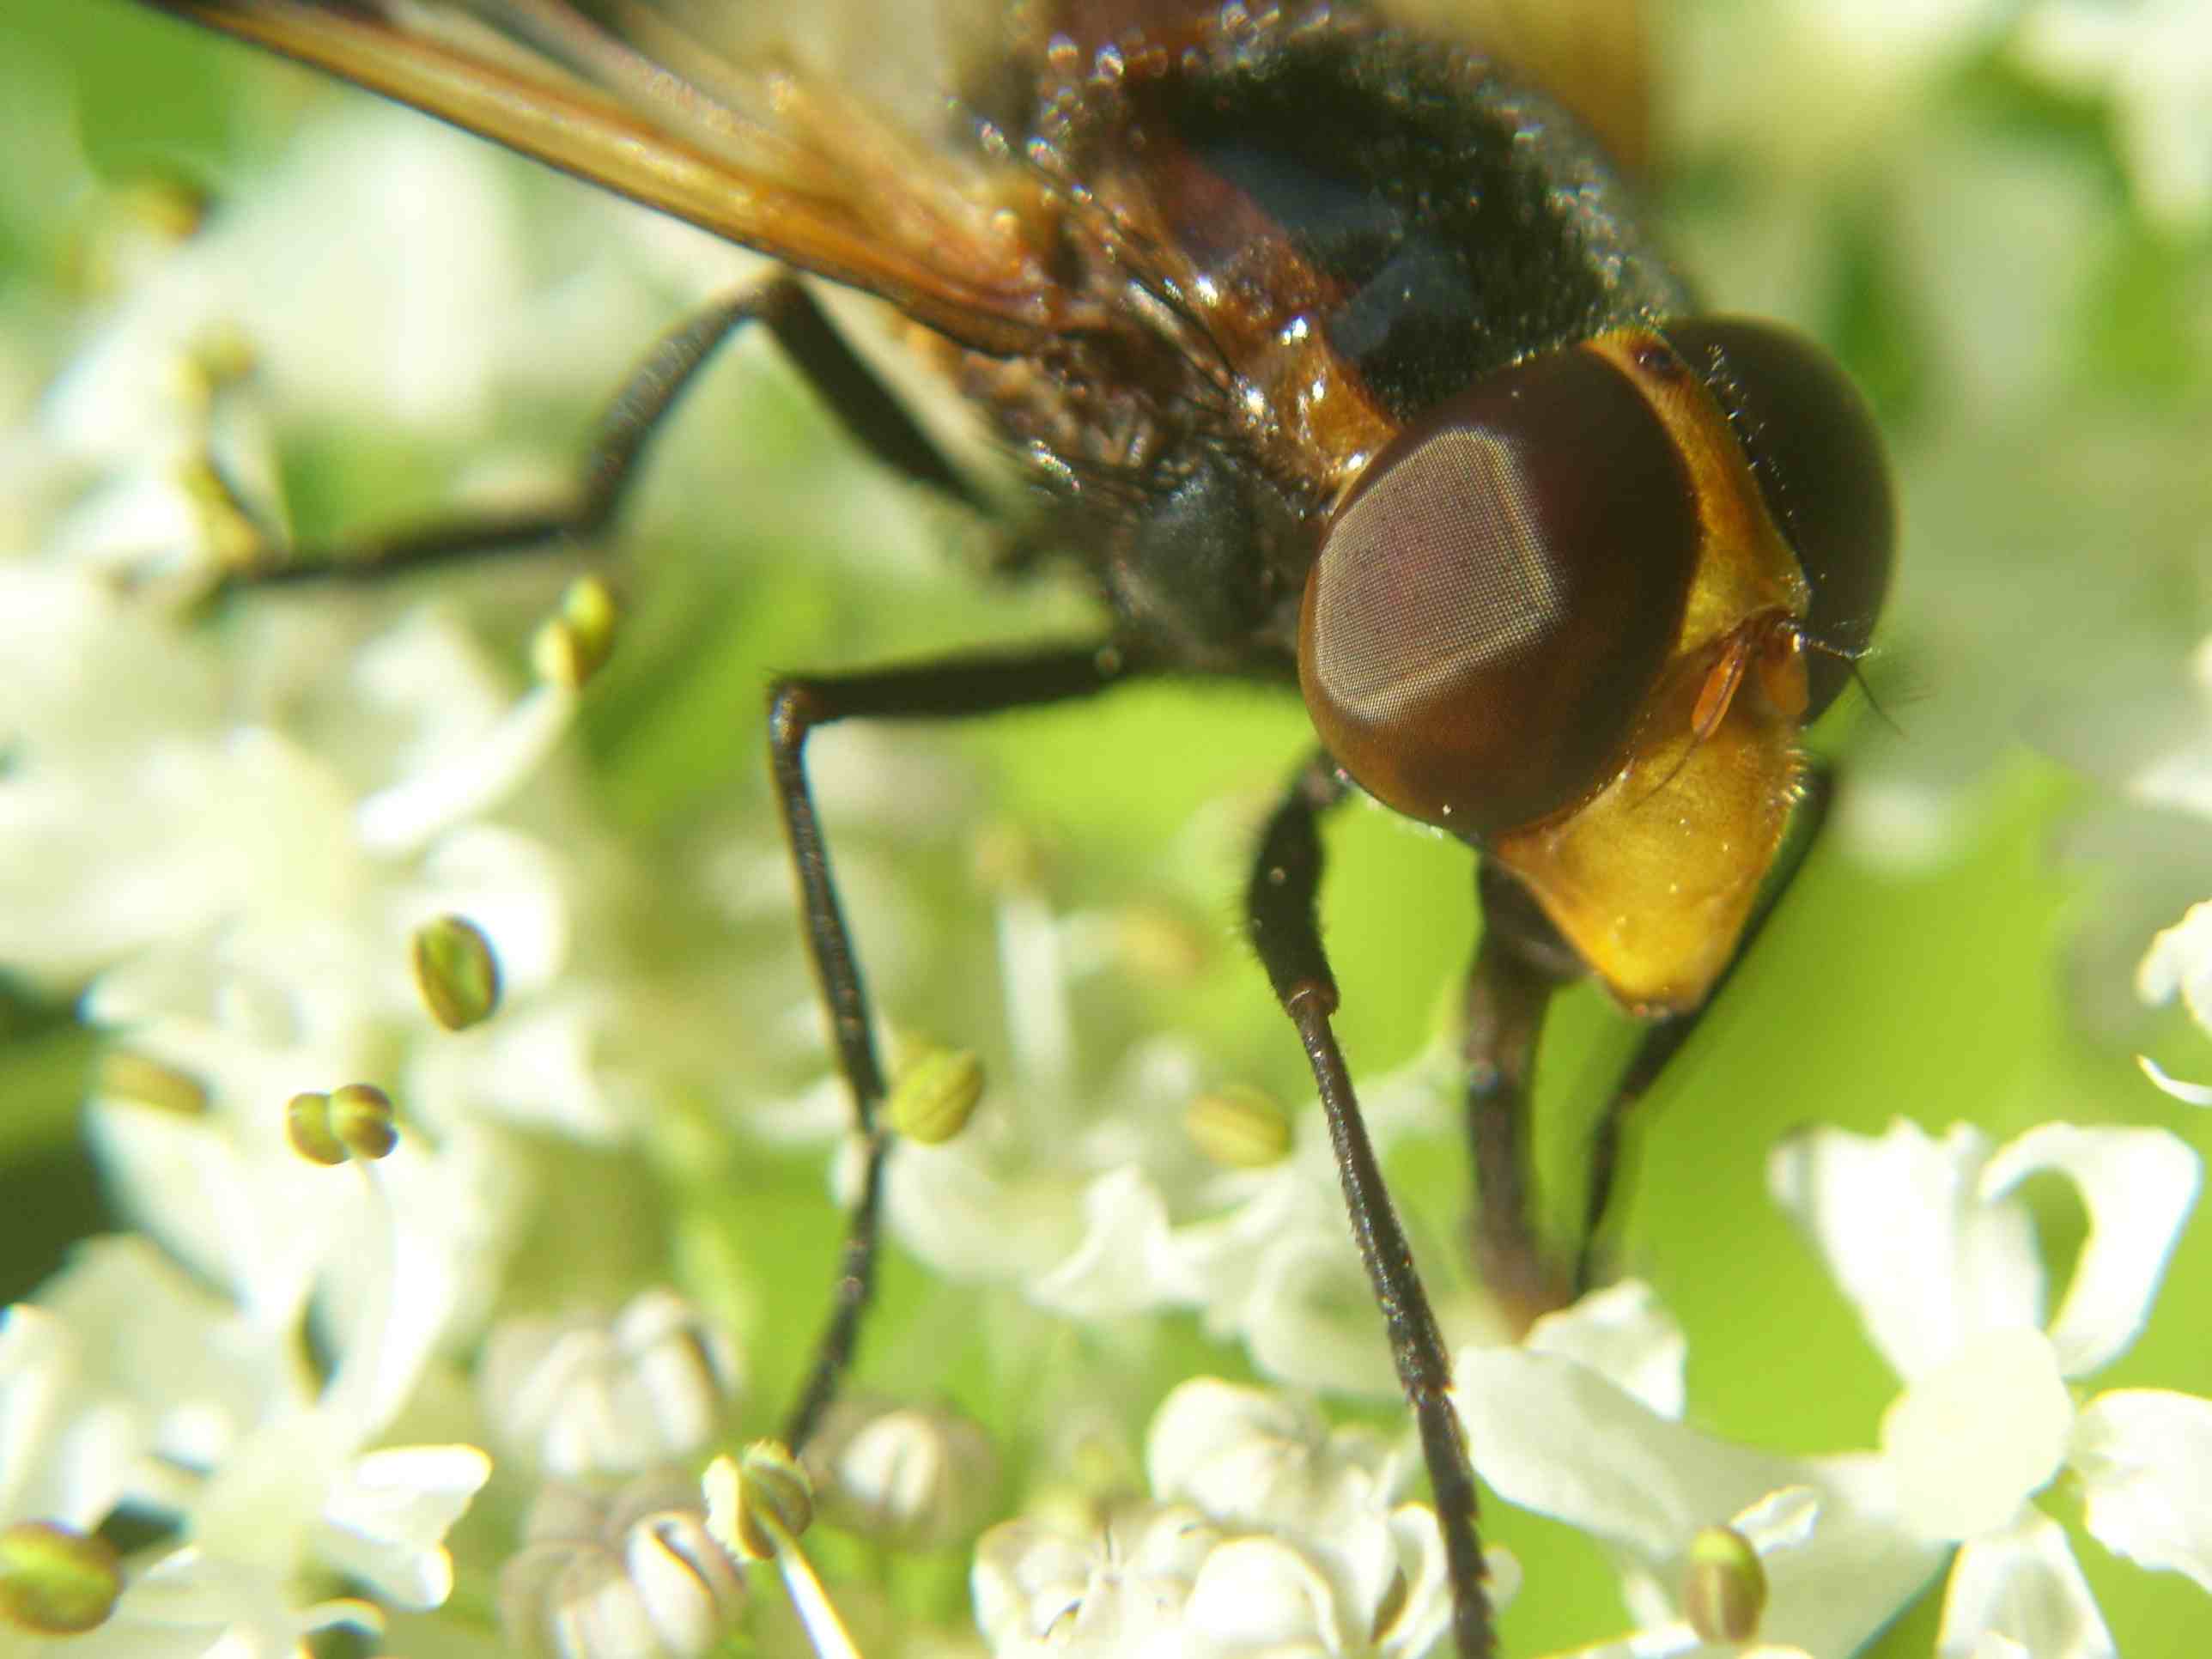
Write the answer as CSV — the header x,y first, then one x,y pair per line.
x,y
1521,962
783,305
948,690
1663,1041
1286,929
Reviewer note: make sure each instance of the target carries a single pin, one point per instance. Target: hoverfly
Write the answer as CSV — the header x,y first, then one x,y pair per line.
x,y
1339,359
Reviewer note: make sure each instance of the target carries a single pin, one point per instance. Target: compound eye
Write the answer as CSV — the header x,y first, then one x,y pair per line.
x,y
1818,460
1493,602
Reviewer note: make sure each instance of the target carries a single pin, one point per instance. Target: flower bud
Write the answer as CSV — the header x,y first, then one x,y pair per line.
x,y
937,1096
632,1576
1723,1586
55,1581
589,1396
456,972
1239,1128
917,1477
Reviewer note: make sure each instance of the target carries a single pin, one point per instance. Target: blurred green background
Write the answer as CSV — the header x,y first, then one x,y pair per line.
x,y
1958,951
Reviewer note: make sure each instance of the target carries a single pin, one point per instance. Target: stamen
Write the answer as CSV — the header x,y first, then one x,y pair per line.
x,y
56,1581
756,1510
456,972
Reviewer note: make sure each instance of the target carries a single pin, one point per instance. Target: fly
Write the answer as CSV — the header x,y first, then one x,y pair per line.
x,y
1342,361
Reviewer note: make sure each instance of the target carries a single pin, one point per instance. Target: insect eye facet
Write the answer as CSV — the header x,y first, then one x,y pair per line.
x,y
1494,600
1817,461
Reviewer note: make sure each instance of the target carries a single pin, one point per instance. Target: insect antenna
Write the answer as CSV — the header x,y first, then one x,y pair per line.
x,y
1853,659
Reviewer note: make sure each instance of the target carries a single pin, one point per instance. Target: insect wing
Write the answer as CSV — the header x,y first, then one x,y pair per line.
x,y
762,153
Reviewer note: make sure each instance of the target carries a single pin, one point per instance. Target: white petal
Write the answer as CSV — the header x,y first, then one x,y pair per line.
x,y
2024,1584
66,1454
386,1519
1553,1436
1122,1264
467,779
2138,1186
1832,1592
511,886
2188,1093
1780,1521
193,1372
1259,1595
1311,1319
1425,1610
251,1225
1900,1223
540,1065
2180,959
1625,1334
1974,1439
1126,1580
1257,1461
955,1208
1202,1438
2144,1458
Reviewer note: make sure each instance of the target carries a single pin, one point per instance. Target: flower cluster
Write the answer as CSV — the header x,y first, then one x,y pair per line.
x,y
1265,1531
460,1098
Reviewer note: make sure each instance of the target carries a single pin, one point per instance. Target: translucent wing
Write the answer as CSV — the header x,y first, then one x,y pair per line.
x,y
825,137
671,105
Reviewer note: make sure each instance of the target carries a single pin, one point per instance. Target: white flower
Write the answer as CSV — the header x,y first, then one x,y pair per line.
x,y
629,1574
1101,1207
1581,1422
1931,1241
1267,1532
2180,960
609,1396
2153,61
129,1385
917,1476
1121,1590
1269,1259
1033,1190
187,1605
1775,1525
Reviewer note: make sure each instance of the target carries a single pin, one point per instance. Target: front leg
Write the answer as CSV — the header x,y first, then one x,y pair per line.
x,y
1520,963
1281,906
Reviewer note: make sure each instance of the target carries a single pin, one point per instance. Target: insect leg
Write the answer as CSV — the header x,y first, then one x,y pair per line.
x,y
842,379
1662,1042
952,689
1280,906
1521,962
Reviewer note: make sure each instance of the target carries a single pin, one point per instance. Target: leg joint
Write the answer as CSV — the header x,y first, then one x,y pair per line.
x,y
794,709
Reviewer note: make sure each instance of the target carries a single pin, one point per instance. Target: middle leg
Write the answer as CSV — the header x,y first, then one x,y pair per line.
x,y
952,688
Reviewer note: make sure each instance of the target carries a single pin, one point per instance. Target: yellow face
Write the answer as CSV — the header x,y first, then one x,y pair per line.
x,y
1652,878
